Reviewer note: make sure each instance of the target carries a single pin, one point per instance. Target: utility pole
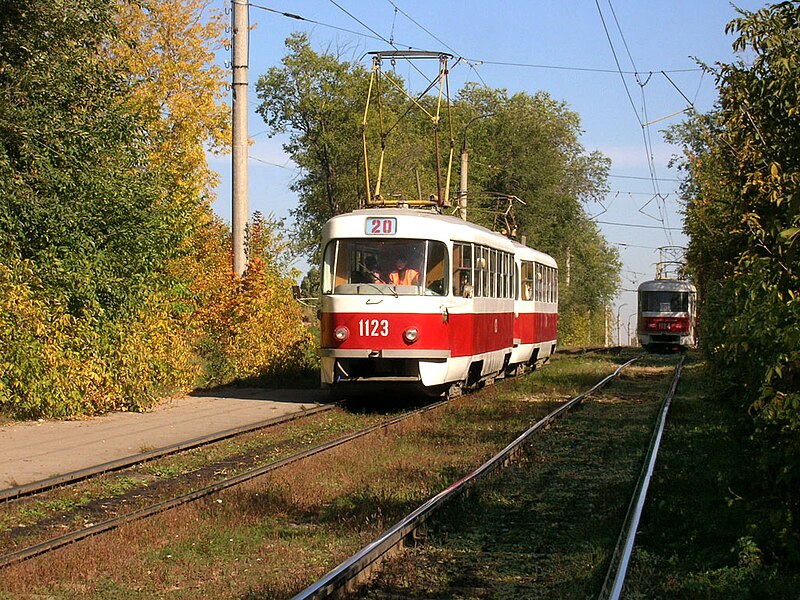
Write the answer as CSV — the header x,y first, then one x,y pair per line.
x,y
462,193
619,334
240,210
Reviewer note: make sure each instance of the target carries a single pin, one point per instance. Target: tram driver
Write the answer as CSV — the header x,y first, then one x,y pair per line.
x,y
403,274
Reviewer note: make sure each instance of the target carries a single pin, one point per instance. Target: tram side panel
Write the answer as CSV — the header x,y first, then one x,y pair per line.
x,y
362,345
535,307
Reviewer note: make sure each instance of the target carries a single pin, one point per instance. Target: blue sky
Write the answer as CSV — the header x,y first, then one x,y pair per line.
x,y
560,47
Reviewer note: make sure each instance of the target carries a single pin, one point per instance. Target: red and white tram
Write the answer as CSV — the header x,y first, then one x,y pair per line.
x,y
410,296
667,314
535,307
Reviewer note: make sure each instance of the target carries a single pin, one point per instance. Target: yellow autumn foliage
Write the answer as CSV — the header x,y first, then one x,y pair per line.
x,y
189,321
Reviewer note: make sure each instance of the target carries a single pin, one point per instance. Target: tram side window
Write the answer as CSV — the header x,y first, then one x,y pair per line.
x,y
328,265
436,272
544,284
555,285
527,280
502,263
481,271
511,276
493,274
508,276
462,270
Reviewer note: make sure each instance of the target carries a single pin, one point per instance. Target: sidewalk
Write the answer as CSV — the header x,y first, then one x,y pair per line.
x,y
35,450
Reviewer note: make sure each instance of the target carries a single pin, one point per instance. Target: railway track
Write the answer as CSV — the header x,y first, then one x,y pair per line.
x,y
359,567
149,510
620,559
267,494
37,487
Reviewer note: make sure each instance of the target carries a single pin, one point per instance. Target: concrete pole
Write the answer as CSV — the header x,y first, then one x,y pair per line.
x,y
619,335
240,210
462,195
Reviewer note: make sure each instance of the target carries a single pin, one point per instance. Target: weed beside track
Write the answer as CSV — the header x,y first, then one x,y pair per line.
x,y
544,528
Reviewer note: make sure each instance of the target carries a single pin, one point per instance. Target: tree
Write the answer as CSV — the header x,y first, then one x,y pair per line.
x,y
166,52
115,279
76,201
743,214
319,100
526,146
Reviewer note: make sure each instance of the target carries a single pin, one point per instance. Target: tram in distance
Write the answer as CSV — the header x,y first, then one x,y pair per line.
x,y
428,300
667,315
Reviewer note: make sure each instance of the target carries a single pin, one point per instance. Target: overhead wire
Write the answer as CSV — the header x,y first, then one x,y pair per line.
x,y
289,15
435,37
468,60
472,63
643,119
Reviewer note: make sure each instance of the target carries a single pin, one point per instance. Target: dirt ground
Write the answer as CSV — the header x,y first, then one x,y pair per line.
x,y
35,450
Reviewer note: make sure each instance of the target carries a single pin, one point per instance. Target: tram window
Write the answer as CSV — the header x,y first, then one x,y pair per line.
x,y
527,280
555,285
368,266
664,301
538,283
543,294
481,271
514,273
508,276
546,271
328,268
436,270
462,270
502,275
492,287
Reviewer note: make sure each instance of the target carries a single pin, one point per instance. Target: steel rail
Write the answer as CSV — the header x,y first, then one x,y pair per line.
x,y
358,565
64,540
620,559
42,485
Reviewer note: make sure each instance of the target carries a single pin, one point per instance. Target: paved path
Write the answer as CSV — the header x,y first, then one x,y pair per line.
x,y
35,450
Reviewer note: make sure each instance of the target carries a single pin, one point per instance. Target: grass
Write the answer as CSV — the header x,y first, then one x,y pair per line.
x,y
544,529
719,544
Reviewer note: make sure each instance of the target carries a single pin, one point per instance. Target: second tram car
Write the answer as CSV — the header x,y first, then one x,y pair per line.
x,y
415,297
667,315
535,307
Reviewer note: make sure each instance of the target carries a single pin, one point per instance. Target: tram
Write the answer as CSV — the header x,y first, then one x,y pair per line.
x,y
410,296
535,307
667,315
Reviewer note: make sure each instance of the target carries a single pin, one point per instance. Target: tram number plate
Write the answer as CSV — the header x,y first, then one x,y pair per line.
x,y
373,328
381,226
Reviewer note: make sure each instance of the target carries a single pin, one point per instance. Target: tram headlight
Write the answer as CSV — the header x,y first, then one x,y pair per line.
x,y
341,333
410,335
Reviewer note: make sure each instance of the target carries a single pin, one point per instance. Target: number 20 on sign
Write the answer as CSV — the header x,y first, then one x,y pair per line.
x,y
381,226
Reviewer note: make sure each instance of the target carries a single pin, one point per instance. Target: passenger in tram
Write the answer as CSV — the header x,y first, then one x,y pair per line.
x,y
465,287
368,272
373,274
403,274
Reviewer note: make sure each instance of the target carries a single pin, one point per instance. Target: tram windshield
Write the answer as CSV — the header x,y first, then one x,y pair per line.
x,y
396,267
664,301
